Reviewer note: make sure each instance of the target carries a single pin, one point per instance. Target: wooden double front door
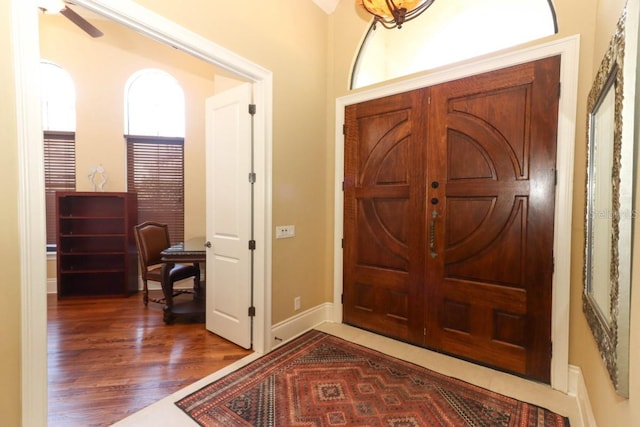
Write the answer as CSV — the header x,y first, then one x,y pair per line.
x,y
448,216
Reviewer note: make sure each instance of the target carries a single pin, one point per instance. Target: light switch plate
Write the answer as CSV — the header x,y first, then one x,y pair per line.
x,y
285,231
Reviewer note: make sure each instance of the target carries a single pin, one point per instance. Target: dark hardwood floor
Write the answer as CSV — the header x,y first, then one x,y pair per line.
x,y
109,358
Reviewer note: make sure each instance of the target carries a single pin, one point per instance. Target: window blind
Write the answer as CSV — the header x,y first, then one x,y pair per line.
x,y
155,171
59,174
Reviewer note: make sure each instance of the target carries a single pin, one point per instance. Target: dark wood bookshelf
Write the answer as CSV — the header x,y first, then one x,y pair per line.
x,y
96,251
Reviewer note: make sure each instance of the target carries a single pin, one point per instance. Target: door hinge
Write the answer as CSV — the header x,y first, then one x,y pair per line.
x,y
341,298
342,185
555,177
252,245
252,177
252,311
550,348
252,109
344,129
424,332
559,89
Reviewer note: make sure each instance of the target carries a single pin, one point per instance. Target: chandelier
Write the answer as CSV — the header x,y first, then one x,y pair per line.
x,y
394,13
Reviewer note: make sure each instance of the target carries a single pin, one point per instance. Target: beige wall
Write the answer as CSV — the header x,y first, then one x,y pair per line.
x,y
10,402
311,58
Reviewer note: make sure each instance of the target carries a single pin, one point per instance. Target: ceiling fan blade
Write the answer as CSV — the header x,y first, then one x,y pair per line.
x,y
85,25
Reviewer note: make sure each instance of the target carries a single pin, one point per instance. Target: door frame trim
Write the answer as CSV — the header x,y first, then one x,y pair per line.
x,y
31,206
569,49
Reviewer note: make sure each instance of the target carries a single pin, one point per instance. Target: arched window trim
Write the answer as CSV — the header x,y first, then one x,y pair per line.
x,y
357,63
553,16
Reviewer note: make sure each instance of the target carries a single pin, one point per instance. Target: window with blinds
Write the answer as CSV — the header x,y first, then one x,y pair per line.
x,y
154,131
58,99
155,171
59,174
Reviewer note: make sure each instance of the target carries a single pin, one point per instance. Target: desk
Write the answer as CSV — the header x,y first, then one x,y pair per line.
x,y
190,251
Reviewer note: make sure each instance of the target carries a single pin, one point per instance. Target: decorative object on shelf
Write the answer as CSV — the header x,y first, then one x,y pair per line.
x,y
97,173
394,13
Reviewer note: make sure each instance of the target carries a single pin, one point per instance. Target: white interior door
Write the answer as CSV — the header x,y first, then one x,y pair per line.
x,y
229,216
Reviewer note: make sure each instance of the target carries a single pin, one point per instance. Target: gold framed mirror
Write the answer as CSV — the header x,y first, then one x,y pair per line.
x,y
608,208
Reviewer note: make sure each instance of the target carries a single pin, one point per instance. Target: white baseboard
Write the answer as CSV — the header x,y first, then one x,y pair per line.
x,y
300,323
578,389
52,285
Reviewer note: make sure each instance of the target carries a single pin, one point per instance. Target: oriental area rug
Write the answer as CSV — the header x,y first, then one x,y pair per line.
x,y
321,380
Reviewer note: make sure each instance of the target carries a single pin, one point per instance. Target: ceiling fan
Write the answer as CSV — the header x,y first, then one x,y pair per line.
x,y
58,6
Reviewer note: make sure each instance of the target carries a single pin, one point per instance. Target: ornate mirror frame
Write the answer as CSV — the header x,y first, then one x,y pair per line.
x,y
608,208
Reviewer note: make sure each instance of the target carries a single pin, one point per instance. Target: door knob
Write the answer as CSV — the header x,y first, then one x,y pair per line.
x,y
435,184
207,244
434,201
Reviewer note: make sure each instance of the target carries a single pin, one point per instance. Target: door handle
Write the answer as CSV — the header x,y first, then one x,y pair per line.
x,y
432,234
207,244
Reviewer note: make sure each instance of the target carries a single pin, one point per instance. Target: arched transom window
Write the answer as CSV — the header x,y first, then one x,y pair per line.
x,y
154,104
58,96
450,31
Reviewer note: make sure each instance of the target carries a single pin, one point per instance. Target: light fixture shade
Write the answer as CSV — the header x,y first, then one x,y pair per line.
x,y
381,8
393,13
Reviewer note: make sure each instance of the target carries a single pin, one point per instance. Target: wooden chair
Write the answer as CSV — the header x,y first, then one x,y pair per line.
x,y
151,239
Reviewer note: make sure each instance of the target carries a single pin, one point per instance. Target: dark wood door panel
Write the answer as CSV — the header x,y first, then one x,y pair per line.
x,y
492,252
492,146
484,322
380,306
384,231
499,120
448,216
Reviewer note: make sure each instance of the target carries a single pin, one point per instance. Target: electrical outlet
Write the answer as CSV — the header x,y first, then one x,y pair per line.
x,y
296,303
285,231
